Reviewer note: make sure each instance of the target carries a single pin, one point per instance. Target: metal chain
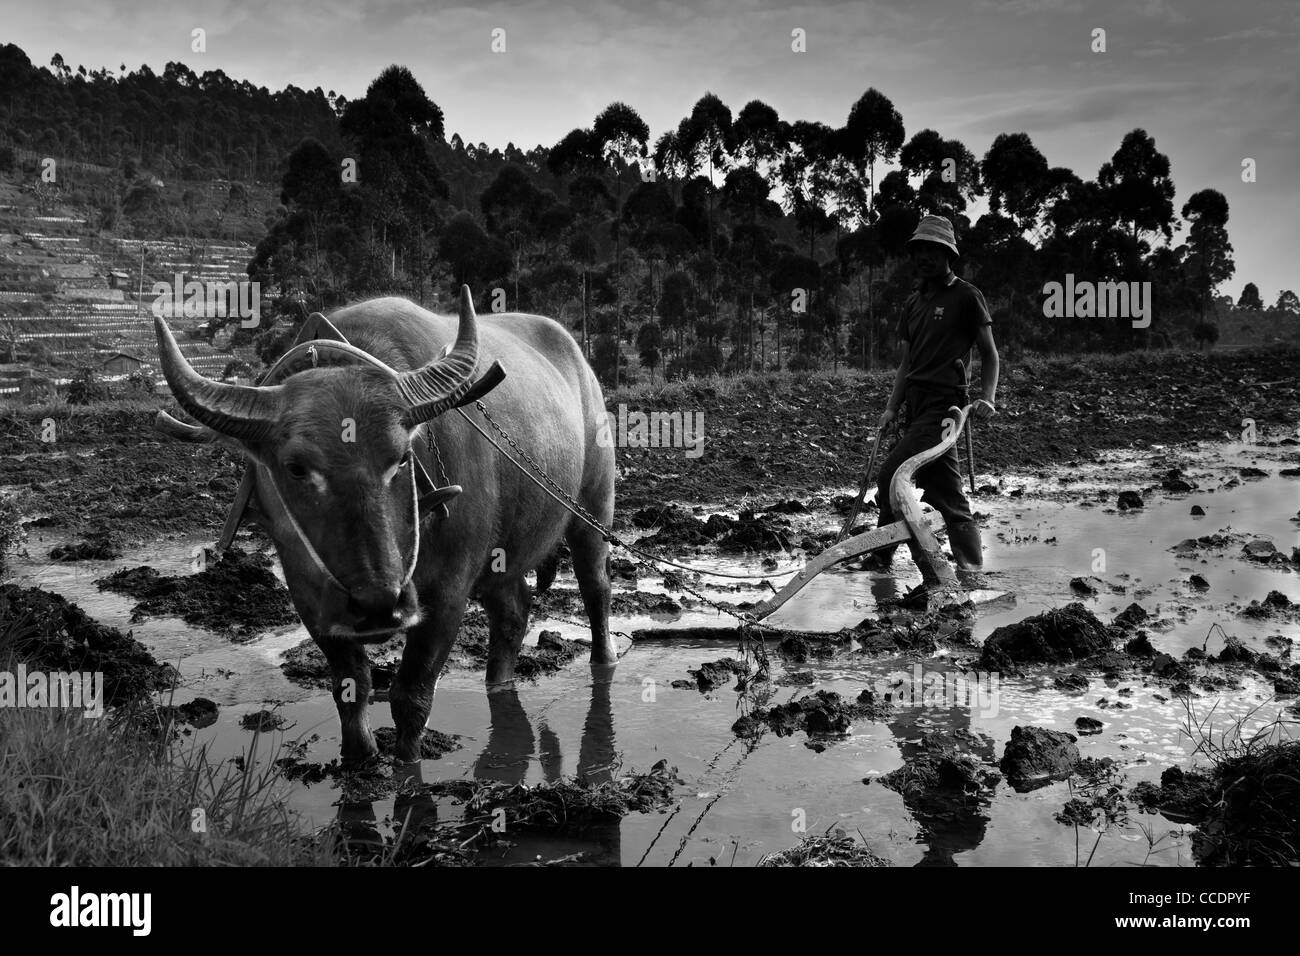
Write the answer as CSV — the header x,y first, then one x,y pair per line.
x,y
746,619
532,463
442,469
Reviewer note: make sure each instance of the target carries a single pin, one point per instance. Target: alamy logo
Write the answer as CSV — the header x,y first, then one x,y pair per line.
x,y
653,430
69,690
1100,300
208,300
975,691
102,909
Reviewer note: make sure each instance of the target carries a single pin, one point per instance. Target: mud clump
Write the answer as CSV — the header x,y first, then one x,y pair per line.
x,y
1140,646
198,713
1235,652
96,546
799,648
1057,636
238,596
1034,757
947,782
1131,617
1071,683
829,849
917,632
1246,807
822,714
671,527
48,632
262,721
750,532
552,653
714,674
1129,500
1170,668
433,743
1083,586
1276,604
305,663
562,804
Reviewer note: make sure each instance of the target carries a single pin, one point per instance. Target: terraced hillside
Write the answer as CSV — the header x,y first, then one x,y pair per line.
x,y
71,296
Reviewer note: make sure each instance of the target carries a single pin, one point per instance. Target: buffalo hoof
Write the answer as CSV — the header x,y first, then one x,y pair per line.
x,y
407,751
359,749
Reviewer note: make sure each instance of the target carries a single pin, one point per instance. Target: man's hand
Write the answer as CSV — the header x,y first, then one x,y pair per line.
x,y
983,409
887,418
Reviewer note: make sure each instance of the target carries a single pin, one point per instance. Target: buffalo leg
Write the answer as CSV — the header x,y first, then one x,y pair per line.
x,y
350,672
591,567
507,601
411,695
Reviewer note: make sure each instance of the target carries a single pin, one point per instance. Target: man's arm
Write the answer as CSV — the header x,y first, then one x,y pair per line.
x,y
900,386
989,365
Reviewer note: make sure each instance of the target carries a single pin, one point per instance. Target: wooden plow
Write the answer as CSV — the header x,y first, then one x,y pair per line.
x,y
912,528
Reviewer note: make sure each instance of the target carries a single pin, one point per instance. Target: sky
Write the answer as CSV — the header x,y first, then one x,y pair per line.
x,y
1214,83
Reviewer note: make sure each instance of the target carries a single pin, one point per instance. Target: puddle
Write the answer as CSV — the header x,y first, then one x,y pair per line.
x,y
740,800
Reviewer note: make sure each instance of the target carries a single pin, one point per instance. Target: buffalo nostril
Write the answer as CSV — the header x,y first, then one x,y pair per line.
x,y
375,601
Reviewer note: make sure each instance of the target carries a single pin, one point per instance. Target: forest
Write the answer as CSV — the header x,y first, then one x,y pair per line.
x,y
737,240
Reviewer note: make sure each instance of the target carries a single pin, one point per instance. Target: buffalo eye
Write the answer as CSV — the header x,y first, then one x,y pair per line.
x,y
297,470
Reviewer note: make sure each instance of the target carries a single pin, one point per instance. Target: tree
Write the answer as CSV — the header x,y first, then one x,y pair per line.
x,y
474,256
874,133
1017,178
513,207
621,135
1209,260
1287,301
1135,184
649,341
1250,298
949,172
704,138
395,127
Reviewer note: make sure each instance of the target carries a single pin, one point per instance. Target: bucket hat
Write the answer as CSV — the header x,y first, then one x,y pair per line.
x,y
936,229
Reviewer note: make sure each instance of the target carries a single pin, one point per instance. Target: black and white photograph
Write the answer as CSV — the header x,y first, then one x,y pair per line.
x,y
650,435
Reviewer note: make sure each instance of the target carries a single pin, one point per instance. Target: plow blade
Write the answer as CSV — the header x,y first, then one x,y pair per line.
x,y
868,541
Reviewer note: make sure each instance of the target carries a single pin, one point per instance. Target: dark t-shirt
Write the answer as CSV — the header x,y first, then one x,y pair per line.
x,y
940,327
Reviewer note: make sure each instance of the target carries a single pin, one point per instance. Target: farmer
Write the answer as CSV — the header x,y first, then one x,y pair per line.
x,y
941,320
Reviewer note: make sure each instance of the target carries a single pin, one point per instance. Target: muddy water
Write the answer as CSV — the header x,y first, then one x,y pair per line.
x,y
737,802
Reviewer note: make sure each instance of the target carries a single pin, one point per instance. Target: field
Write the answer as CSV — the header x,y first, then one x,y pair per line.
x,y
1168,661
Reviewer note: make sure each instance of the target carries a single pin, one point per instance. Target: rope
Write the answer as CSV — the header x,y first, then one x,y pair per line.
x,y
567,501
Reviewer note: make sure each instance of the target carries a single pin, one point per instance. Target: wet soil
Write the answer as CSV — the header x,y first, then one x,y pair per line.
x,y
1035,756
1050,412
49,633
947,779
112,466
1246,808
830,849
821,714
238,595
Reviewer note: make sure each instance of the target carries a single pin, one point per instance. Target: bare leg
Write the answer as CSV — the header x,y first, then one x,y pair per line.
x,y
591,567
350,672
507,601
411,695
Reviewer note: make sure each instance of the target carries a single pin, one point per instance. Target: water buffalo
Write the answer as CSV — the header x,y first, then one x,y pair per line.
x,y
365,553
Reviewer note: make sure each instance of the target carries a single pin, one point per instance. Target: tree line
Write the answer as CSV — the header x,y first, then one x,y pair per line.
x,y
732,241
